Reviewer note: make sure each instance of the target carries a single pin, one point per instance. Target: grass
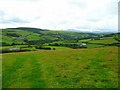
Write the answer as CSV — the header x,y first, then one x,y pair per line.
x,y
14,46
105,40
58,47
0,71
48,35
78,68
97,46
94,46
32,48
85,40
93,67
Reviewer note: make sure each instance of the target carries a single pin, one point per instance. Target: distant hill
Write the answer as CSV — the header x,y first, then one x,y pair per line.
x,y
74,30
28,28
35,35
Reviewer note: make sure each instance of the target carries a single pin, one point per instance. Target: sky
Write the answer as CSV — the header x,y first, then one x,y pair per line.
x,y
83,15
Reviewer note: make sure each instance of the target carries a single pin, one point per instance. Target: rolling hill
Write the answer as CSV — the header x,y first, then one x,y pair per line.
x,y
19,35
27,39
56,59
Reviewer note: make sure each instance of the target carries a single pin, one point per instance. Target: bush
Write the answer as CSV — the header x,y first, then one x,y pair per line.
x,y
29,46
76,47
54,49
13,34
40,47
5,44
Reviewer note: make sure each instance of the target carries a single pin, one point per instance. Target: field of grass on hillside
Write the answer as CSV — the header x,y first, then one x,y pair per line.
x,y
105,40
37,58
10,36
72,68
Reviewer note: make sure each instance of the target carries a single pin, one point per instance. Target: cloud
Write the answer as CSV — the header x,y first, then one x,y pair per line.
x,y
60,14
11,20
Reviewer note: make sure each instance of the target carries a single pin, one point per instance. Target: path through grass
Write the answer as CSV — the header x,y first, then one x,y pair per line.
x,y
78,68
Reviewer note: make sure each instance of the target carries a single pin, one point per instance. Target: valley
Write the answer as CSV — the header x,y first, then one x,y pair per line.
x,y
36,58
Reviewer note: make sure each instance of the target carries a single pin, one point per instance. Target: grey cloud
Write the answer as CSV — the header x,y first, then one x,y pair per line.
x,y
94,20
18,20
2,13
13,20
78,4
82,27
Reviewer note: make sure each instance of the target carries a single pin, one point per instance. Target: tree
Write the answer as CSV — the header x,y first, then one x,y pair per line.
x,y
13,43
29,46
54,49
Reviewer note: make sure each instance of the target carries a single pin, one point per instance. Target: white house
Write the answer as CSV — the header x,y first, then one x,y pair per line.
x,y
82,44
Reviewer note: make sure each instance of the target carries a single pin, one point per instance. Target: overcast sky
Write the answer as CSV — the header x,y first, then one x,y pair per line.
x,y
92,15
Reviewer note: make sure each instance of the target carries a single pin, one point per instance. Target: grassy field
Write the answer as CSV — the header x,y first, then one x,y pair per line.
x,y
105,40
58,47
85,40
33,47
78,68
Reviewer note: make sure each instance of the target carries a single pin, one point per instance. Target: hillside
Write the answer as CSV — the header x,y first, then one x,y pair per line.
x,y
30,35
74,68
37,58
31,39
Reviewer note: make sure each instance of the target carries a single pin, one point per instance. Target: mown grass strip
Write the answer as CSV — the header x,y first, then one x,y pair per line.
x,y
35,78
11,73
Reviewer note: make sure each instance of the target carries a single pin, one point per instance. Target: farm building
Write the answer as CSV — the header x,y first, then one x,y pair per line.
x,y
82,44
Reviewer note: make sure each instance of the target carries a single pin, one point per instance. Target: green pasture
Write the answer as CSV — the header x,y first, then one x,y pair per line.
x,y
78,68
105,40
85,40
58,47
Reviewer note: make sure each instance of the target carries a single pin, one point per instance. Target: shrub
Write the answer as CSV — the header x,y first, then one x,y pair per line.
x,y
54,49
40,47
